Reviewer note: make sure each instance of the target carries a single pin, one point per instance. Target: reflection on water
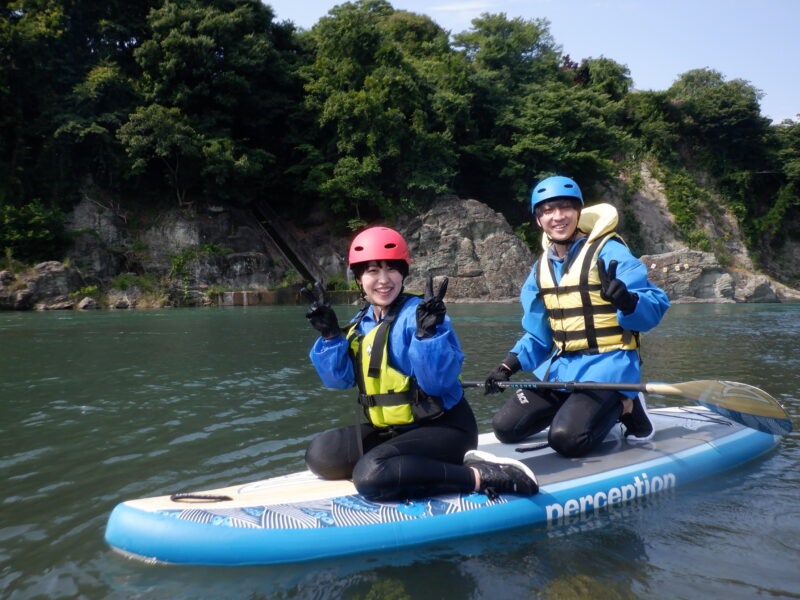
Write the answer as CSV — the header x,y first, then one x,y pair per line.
x,y
101,407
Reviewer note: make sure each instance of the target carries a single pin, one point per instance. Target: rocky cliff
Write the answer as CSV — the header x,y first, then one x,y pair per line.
x,y
689,275
194,254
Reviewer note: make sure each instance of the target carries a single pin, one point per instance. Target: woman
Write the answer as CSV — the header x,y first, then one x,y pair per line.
x,y
401,352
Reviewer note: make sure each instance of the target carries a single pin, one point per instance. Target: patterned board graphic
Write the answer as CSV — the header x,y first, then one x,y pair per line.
x,y
342,511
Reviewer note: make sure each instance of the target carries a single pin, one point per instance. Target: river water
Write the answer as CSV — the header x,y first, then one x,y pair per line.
x,y
105,406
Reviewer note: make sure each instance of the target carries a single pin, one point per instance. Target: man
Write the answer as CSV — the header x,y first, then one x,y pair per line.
x,y
585,302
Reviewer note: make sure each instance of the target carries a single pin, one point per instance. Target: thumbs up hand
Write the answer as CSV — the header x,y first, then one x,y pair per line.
x,y
614,290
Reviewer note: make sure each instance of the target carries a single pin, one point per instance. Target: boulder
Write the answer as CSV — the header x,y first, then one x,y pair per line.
x,y
472,245
56,303
16,299
694,276
52,279
88,303
12,295
124,299
755,288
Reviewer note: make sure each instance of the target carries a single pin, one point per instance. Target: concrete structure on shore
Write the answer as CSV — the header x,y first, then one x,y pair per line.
x,y
284,296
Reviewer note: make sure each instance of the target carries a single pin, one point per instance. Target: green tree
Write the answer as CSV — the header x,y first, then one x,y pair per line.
x,y
155,132
31,38
510,53
93,114
65,69
31,232
534,113
652,121
722,128
782,220
220,71
788,137
721,116
606,76
508,58
558,128
386,149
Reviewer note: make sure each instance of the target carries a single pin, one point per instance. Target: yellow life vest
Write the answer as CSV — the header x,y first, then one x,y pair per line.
x,y
581,320
388,396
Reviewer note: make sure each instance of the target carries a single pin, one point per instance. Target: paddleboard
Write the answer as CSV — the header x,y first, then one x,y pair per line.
x,y
299,517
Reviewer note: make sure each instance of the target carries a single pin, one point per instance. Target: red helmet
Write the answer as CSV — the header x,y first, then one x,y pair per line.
x,y
378,243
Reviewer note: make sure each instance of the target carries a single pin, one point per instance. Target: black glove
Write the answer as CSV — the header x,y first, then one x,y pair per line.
x,y
614,290
501,372
320,314
430,312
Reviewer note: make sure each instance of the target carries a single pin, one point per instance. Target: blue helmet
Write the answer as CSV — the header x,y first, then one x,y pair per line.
x,y
555,187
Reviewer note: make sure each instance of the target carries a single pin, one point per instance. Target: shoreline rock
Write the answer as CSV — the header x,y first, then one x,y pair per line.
x,y
694,276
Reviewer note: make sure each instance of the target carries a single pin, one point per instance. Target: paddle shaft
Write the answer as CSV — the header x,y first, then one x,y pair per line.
x,y
653,388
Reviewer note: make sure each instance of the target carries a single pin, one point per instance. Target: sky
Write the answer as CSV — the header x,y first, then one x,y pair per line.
x,y
658,40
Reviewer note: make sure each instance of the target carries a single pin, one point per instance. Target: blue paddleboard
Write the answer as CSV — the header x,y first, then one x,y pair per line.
x,y
299,517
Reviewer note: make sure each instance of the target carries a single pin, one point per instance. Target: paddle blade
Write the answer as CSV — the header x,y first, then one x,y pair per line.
x,y
739,402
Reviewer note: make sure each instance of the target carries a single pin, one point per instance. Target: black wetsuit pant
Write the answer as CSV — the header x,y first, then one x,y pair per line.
x,y
578,420
402,462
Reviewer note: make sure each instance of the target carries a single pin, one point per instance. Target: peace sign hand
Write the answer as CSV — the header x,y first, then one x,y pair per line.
x,y
320,314
431,311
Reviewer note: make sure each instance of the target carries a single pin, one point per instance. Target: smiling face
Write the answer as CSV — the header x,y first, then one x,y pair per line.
x,y
558,218
382,283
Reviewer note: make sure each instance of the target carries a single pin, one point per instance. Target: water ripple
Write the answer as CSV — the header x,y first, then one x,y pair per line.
x,y
104,407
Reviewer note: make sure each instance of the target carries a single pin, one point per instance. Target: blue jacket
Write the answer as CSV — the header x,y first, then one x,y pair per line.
x,y
435,362
619,366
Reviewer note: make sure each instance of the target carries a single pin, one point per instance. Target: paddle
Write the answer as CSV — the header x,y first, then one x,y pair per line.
x,y
739,402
